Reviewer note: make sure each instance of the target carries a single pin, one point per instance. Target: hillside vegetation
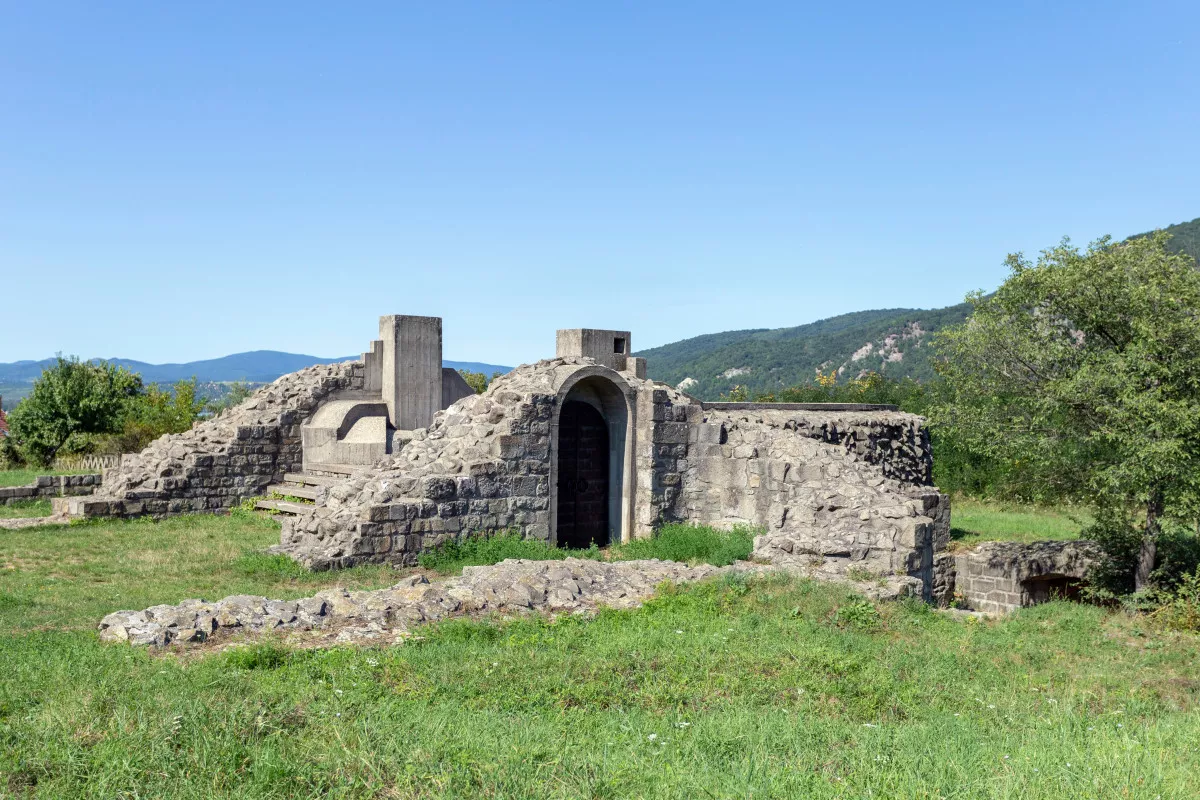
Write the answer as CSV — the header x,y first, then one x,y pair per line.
x,y
892,342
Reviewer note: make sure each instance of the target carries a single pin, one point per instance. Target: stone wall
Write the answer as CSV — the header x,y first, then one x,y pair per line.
x,y
49,486
998,577
222,461
839,490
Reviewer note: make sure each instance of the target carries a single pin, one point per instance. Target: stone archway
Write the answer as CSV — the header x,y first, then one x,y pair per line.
x,y
583,476
591,460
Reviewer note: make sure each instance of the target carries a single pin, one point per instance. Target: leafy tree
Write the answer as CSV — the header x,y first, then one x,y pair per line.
x,y
69,402
1083,373
238,391
477,380
154,413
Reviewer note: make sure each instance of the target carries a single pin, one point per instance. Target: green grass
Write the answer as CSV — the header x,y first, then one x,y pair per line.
x,y
26,508
689,543
974,521
24,477
759,688
69,576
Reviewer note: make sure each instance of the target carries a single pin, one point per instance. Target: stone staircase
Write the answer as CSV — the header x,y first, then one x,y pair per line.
x,y
301,489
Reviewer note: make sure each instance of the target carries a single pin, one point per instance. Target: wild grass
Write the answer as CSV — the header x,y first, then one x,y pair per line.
x,y
974,521
688,543
741,687
26,508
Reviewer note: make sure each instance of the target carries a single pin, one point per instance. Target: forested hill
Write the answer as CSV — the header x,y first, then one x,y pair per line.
x,y
1185,238
894,342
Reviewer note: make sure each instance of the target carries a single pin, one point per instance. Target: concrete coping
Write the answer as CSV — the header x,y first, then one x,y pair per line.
x,y
798,407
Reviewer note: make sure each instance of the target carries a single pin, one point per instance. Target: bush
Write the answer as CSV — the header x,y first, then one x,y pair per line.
x,y
1179,609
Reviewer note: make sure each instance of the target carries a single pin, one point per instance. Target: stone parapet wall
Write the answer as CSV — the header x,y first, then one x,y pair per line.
x,y
50,486
222,461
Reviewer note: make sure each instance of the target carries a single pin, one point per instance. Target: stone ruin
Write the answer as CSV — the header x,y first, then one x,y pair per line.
x,y
392,454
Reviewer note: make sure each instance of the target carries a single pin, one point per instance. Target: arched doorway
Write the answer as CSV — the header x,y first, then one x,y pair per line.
x,y
591,469
583,462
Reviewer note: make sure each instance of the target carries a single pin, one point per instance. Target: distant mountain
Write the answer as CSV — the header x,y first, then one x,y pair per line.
x,y
894,342
257,366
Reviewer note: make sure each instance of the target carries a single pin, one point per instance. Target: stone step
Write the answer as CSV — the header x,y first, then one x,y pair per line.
x,y
340,469
310,480
283,506
294,490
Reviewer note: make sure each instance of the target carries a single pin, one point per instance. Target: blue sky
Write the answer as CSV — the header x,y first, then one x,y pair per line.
x,y
183,181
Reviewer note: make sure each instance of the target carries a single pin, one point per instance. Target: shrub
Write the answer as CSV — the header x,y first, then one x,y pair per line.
x,y
1179,609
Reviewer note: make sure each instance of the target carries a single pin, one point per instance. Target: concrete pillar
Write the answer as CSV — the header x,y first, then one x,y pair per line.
x,y
412,369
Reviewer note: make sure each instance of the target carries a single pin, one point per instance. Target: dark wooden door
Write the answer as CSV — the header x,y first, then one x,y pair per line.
x,y
582,476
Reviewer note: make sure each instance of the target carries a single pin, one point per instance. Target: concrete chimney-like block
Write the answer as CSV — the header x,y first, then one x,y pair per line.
x,y
412,369
610,348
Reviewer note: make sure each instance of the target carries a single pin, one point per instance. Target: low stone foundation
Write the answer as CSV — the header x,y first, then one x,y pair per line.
x,y
48,486
570,586
999,577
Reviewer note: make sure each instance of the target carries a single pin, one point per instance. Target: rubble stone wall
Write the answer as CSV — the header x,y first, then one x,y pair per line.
x,y
222,461
49,486
840,490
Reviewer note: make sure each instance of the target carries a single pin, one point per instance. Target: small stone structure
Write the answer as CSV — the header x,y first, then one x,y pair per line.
x,y
399,456
50,486
998,577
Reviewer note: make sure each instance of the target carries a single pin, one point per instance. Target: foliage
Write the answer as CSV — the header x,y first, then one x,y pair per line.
x,y
152,414
478,380
70,402
1179,608
234,394
1084,371
753,687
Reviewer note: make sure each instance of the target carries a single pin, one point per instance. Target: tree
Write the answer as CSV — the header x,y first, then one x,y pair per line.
x,y
1083,371
154,413
477,380
70,401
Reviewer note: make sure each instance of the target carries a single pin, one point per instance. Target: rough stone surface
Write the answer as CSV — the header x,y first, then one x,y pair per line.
x,y
222,461
998,577
514,586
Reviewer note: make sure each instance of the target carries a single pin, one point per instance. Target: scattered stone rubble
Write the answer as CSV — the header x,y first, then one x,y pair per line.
x,y
569,586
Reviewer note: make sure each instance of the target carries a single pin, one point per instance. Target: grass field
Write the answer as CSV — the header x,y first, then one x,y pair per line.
x,y
26,508
768,688
974,521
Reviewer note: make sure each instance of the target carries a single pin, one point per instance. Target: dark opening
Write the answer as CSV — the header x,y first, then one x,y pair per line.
x,y
582,476
619,344
1052,587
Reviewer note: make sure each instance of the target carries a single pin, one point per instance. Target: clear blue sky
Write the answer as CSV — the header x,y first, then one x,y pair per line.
x,y
183,181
